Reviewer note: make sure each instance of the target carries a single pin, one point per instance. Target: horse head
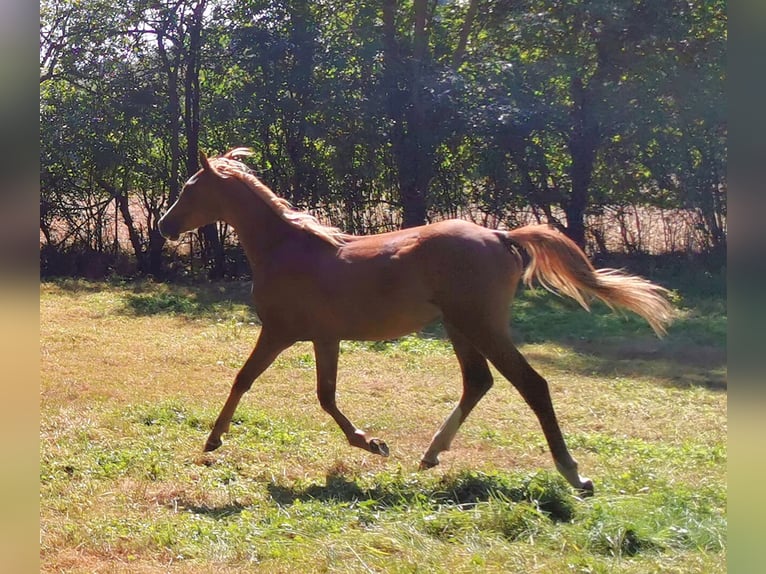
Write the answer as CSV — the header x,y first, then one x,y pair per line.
x,y
198,203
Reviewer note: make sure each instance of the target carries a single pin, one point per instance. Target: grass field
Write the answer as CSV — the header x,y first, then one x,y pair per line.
x,y
133,375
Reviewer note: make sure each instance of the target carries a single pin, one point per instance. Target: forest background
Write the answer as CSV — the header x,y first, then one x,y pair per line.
x,y
604,118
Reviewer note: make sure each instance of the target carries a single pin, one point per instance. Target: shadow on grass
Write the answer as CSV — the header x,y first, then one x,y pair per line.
x,y
216,512
546,491
607,343
677,364
206,300
611,344
146,298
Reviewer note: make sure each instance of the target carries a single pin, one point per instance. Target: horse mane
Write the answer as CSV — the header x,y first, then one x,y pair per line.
x,y
229,164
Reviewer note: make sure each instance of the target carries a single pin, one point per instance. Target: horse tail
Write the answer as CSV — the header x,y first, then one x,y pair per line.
x,y
558,264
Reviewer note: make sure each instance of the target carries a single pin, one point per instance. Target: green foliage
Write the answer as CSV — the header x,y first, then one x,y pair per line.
x,y
359,112
409,344
625,526
152,304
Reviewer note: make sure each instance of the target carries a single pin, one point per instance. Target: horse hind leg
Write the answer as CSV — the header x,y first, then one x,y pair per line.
x,y
534,389
326,354
477,380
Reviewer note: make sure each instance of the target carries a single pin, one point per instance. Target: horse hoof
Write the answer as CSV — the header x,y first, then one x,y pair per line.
x,y
426,464
377,446
586,488
212,444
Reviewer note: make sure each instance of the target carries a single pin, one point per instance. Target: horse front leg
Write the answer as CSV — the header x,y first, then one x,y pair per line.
x,y
266,350
477,380
326,353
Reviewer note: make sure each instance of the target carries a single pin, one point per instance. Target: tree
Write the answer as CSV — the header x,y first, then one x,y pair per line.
x,y
684,148
567,84
381,115
418,86
89,97
132,61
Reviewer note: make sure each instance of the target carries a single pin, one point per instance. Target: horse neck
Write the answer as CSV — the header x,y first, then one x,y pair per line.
x,y
259,228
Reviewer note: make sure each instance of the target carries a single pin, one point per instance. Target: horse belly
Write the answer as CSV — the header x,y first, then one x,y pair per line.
x,y
381,323
351,304
385,310
368,303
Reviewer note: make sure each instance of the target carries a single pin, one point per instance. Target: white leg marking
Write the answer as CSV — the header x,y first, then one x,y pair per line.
x,y
573,477
443,437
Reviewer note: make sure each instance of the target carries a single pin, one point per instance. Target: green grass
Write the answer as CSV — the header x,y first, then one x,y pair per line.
x,y
133,375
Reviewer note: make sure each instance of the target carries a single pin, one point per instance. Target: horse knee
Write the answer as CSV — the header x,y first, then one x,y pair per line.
x,y
485,383
480,379
242,383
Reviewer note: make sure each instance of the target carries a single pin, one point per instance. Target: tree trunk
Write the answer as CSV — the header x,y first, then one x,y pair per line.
x,y
577,203
174,113
410,139
300,81
465,30
213,250
413,201
156,243
583,142
124,207
191,91
214,254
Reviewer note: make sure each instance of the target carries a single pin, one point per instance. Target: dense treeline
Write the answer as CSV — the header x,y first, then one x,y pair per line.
x,y
383,114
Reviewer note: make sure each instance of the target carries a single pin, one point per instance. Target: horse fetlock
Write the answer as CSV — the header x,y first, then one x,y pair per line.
x,y
583,485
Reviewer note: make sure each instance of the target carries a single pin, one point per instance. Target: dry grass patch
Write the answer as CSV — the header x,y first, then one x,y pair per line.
x,y
133,376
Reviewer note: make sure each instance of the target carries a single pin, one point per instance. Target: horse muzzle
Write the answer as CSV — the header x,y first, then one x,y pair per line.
x,y
168,230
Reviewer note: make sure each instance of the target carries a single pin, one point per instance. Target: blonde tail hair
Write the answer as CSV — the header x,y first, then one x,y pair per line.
x,y
559,265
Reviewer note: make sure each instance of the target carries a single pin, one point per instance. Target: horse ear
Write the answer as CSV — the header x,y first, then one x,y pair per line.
x,y
204,162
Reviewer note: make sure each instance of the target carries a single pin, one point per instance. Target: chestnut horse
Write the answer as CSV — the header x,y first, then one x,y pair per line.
x,y
314,283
